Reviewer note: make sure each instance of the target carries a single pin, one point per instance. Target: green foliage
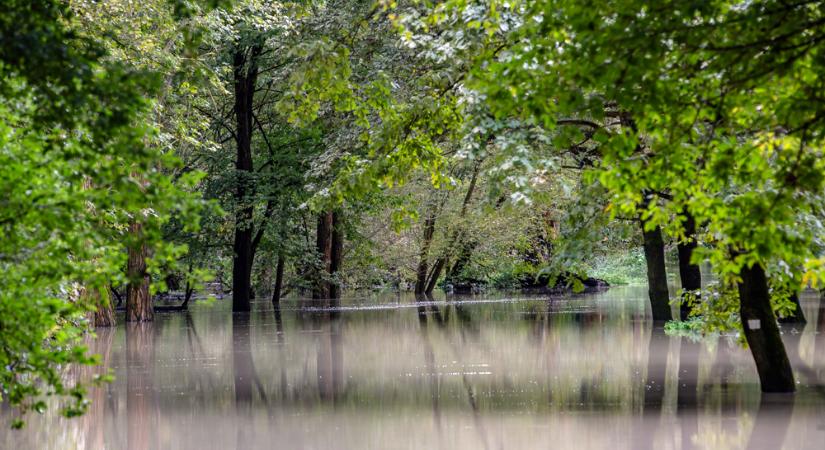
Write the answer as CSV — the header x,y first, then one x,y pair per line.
x,y
75,170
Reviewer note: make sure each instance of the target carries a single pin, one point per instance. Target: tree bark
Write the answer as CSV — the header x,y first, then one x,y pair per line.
x,y
798,316
138,301
104,314
245,66
654,247
421,271
279,281
689,273
336,254
762,332
323,246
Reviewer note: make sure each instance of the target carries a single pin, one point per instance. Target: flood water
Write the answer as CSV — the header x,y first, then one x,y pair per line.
x,y
579,372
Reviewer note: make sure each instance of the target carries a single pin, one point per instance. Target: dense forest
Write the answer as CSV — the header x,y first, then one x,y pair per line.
x,y
161,153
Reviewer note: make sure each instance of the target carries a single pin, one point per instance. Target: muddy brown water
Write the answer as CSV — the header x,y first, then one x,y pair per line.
x,y
579,372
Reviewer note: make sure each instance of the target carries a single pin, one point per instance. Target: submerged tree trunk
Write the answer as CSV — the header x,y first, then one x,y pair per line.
x,y
798,316
138,301
323,246
689,273
245,75
654,247
762,332
279,281
104,314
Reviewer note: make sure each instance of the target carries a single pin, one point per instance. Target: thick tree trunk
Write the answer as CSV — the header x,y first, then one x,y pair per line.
x,y
762,332
279,281
138,300
422,270
245,75
104,315
798,316
689,273
323,246
654,247
336,254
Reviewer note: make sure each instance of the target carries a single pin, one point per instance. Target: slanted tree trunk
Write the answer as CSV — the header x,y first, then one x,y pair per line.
x,y
323,246
654,247
762,332
138,300
245,67
279,281
689,273
457,235
798,316
336,254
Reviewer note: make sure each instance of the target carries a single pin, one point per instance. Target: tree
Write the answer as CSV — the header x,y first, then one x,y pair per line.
x,y
72,142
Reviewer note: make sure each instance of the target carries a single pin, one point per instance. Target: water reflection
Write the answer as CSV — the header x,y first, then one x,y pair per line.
x,y
581,372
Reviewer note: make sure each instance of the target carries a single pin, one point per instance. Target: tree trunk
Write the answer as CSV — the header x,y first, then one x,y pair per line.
x,y
245,75
654,247
423,265
104,314
138,301
336,255
762,332
689,273
457,235
798,316
279,281
323,246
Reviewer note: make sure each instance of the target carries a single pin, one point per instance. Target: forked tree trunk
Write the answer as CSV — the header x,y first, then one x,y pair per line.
x,y
138,301
245,66
689,273
762,332
654,247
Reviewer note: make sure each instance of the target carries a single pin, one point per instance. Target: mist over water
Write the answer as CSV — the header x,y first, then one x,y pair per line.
x,y
487,372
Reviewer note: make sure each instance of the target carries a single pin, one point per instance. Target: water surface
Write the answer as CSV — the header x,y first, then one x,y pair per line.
x,y
587,371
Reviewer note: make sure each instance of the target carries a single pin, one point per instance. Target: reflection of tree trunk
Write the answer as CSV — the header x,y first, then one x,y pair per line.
x,y
429,363
141,400
245,70
689,273
242,365
95,418
762,333
657,352
686,404
654,247
138,301
772,422
330,364
797,316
